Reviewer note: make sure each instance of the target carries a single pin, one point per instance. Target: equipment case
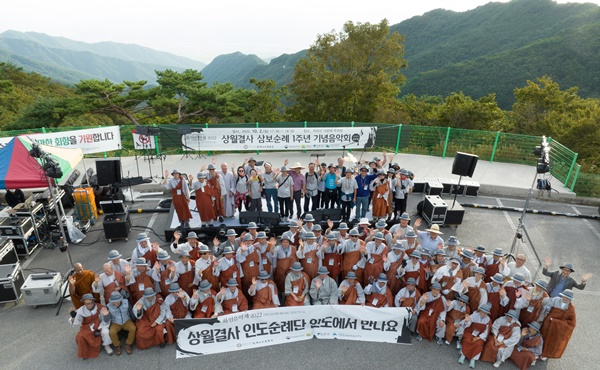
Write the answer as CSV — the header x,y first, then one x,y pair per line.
x,y
42,289
11,281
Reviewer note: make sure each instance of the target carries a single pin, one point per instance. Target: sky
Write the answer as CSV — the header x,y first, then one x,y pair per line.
x,y
201,30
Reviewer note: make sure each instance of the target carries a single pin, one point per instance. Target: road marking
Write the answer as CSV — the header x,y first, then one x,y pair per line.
x,y
528,254
31,257
151,223
585,221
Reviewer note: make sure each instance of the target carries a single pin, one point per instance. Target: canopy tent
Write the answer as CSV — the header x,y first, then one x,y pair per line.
x,y
19,170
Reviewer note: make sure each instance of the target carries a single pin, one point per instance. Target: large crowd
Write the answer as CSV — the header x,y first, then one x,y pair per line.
x,y
492,307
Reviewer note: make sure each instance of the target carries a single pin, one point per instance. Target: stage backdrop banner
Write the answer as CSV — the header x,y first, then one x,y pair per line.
x,y
266,327
314,138
143,141
92,140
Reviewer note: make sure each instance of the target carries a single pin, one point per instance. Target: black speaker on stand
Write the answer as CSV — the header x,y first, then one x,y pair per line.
x,y
464,165
108,171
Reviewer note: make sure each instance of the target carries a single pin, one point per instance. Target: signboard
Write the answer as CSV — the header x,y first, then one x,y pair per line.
x,y
266,327
315,138
92,140
143,141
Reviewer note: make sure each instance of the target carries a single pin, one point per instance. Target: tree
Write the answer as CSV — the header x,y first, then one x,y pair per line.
x,y
52,111
346,76
265,102
461,111
128,99
180,95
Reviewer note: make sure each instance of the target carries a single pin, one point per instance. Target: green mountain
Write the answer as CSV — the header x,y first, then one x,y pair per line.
x,y
231,68
70,61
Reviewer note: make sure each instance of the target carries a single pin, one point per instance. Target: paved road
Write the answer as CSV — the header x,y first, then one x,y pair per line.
x,y
37,339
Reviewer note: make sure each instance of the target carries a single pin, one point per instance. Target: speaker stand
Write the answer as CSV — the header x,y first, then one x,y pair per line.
x,y
456,192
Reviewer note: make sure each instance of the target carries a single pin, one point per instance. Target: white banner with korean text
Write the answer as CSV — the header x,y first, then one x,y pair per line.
x,y
92,140
314,138
266,327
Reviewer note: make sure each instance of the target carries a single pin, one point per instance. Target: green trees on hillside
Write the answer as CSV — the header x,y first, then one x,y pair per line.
x,y
347,76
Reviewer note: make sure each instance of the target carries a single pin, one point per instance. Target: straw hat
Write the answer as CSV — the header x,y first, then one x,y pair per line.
x,y
434,229
297,165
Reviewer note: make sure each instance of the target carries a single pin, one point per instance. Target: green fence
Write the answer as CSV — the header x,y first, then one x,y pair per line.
x,y
426,140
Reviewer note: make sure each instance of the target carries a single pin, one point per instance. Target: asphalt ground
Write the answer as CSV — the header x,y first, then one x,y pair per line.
x,y
38,339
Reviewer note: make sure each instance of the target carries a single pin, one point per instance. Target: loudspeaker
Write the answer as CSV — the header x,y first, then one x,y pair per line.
x,y
109,171
317,214
269,218
464,164
333,214
247,217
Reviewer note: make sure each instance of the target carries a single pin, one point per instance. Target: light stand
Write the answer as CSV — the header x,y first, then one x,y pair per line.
x,y
184,131
456,191
543,166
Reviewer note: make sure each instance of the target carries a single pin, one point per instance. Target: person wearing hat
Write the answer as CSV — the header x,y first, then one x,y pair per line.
x,y
414,269
558,325
448,275
363,228
380,226
295,231
506,333
331,257
151,315
249,261
347,194
232,242
479,256
110,281
376,256
561,279
163,272
323,288
363,182
120,319
203,303
80,283
438,260
310,255
180,192
203,268
466,264
309,223
285,193
378,294
331,179
412,243
270,188
185,274
311,197
456,311
496,264
227,267
532,303
190,246
250,164
476,331
118,263
518,266
432,315
138,279
515,288
176,307
145,249
255,189
299,187
451,248
381,188
474,287
402,186
265,250
263,292
350,292
231,298
353,253
284,255
206,195
217,182
297,283
318,231
340,234
529,348
400,229
430,239
497,297
395,260
93,321
409,297
228,191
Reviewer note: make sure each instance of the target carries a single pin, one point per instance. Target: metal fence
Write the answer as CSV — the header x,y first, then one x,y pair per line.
x,y
426,140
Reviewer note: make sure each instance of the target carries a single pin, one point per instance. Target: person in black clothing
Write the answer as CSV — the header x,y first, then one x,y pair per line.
x,y
14,197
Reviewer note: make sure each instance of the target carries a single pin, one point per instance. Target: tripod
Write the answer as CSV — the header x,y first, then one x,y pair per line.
x,y
184,131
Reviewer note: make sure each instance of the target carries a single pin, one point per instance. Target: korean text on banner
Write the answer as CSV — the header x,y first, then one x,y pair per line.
x,y
314,138
259,328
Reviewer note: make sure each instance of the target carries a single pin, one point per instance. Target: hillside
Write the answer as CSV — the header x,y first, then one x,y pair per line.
x,y
68,61
231,68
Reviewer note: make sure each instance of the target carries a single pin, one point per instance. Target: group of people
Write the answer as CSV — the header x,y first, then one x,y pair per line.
x,y
218,194
493,308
